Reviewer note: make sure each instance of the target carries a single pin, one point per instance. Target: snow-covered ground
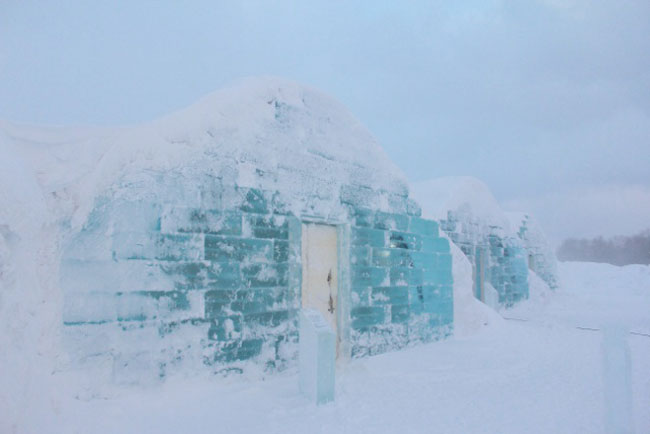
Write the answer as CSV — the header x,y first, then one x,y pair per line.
x,y
541,375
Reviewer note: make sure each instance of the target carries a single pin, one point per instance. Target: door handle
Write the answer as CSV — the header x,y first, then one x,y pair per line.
x,y
331,300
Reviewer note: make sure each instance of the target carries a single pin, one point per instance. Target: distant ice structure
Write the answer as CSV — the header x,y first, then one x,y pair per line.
x,y
541,258
500,253
470,314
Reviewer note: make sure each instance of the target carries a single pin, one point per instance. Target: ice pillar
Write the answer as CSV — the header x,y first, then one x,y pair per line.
x,y
317,358
617,380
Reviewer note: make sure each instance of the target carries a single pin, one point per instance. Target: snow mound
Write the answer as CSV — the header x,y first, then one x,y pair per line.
x,y
609,294
605,279
540,292
540,296
463,194
592,295
470,315
28,305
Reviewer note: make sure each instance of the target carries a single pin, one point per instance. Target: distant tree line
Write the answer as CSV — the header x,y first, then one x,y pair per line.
x,y
621,250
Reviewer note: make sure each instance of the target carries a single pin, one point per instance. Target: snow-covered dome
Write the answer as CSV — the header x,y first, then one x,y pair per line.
x,y
274,125
460,194
265,133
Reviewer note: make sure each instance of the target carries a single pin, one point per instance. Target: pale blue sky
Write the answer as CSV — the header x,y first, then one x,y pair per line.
x,y
547,101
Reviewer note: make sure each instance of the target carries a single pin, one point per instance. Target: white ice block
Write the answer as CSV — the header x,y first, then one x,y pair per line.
x,y
317,358
617,380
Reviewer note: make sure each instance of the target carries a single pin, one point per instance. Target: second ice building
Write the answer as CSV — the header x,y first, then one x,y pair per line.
x,y
503,248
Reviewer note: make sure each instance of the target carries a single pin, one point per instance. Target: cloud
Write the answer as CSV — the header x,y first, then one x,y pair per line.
x,y
533,98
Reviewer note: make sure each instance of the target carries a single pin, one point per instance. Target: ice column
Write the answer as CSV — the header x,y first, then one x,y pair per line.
x,y
617,380
317,357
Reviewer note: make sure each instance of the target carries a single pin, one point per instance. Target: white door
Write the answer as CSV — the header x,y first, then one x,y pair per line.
x,y
319,270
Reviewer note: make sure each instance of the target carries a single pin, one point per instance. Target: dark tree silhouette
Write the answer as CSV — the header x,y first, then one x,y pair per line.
x,y
621,250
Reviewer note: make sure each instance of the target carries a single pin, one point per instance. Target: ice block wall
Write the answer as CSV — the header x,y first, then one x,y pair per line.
x,y
505,260
541,258
222,283
160,278
401,282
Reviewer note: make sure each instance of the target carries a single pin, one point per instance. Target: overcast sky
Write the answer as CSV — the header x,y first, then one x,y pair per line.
x,y
546,101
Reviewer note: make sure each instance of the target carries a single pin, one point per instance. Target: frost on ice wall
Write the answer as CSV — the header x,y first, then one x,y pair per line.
x,y
473,220
182,237
541,258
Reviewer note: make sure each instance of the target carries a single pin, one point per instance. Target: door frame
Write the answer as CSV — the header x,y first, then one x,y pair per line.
x,y
343,277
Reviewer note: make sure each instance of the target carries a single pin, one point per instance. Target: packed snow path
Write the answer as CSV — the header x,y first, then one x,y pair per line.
x,y
543,375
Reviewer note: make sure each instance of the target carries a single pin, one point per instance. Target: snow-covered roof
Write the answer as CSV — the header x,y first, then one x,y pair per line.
x,y
460,194
268,132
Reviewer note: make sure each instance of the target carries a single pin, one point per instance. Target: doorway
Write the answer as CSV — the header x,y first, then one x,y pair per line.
x,y
320,271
